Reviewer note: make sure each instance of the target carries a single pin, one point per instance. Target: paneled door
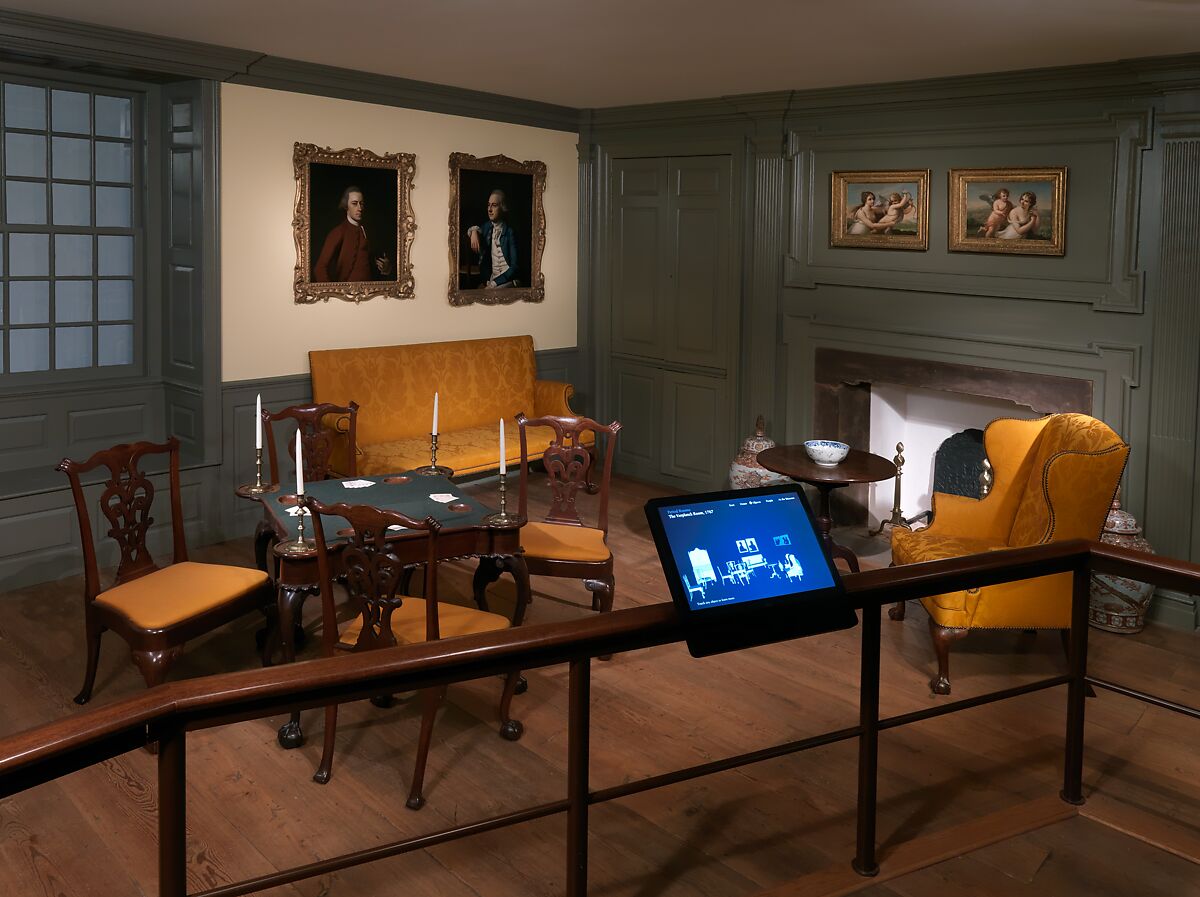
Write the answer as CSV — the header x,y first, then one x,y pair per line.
x,y
674,317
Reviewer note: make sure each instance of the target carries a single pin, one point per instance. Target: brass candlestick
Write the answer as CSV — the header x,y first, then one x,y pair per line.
x,y
433,469
259,488
502,517
300,546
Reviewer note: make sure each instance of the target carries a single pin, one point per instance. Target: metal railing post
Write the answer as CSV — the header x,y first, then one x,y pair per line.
x,y
172,813
578,753
1072,791
868,743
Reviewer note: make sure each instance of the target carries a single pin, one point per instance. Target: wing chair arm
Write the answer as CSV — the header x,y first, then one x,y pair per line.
x,y
976,517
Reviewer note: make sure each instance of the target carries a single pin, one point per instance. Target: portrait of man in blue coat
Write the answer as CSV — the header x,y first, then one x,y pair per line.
x,y
495,244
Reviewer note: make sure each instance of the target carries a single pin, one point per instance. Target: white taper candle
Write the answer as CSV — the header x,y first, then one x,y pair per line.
x,y
503,463
299,465
435,400
258,422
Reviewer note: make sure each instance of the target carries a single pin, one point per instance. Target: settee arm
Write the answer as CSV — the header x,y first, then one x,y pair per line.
x,y
338,427
973,517
552,398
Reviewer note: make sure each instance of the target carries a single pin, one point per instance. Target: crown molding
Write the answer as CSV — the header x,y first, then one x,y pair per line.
x,y
349,84
41,40
1153,75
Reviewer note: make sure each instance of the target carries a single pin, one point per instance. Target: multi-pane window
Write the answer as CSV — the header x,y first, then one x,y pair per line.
x,y
67,230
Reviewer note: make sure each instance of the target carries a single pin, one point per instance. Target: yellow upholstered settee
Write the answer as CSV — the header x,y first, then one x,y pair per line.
x,y
1054,480
478,382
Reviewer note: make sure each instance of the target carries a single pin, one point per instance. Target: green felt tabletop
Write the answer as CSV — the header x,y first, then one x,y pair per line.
x,y
407,493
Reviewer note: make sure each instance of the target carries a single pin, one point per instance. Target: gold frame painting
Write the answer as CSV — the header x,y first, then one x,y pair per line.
x,y
879,209
350,204
484,192
1012,211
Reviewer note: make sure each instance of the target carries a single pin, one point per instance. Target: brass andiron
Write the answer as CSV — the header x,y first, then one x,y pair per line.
x,y
502,517
433,469
300,546
897,518
986,477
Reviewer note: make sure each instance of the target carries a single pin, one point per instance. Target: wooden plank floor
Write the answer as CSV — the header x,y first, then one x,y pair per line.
x,y
253,807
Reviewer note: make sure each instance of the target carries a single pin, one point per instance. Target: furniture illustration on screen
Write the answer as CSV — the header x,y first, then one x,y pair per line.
x,y
702,567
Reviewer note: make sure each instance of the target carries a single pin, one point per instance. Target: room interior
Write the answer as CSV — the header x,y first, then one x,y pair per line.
x,y
694,277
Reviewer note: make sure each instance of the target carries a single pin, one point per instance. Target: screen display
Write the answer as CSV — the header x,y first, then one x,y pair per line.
x,y
741,549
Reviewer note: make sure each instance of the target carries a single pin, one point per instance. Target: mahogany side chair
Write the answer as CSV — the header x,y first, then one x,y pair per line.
x,y
386,618
156,609
562,544
326,455
328,439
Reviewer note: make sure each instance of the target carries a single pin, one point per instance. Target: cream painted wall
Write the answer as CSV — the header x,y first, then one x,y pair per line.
x,y
258,256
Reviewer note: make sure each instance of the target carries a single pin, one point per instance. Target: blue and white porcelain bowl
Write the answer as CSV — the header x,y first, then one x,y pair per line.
x,y
826,452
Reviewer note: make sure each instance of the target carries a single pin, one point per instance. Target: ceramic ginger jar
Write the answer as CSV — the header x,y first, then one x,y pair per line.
x,y
745,472
1118,604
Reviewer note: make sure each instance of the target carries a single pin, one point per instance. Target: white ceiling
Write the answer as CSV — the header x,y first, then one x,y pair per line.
x,y
617,52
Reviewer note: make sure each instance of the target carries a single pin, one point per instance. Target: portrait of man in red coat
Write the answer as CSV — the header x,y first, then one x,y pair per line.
x,y
346,254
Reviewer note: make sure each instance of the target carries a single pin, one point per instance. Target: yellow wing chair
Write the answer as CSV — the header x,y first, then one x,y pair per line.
x,y
1054,480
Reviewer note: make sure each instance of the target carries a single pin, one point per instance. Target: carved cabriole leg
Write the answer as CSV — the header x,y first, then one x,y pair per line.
x,y
942,637
602,597
520,573
510,729
486,573
154,664
325,770
431,698
290,601
94,631
896,611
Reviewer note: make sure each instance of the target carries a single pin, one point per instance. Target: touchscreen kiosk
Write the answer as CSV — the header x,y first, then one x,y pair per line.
x,y
747,567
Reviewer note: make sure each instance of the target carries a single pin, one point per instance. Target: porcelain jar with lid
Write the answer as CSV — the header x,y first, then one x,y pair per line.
x,y
1119,604
745,472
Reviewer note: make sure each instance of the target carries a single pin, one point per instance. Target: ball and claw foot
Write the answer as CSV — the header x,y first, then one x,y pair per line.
x,y
939,685
415,803
321,776
290,736
512,730
896,611
522,686
83,698
383,701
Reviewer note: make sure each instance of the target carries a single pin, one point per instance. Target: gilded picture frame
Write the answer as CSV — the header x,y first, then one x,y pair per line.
x,y
879,209
353,224
1011,211
497,230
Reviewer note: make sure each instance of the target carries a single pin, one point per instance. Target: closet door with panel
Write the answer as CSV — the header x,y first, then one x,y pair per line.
x,y
674,318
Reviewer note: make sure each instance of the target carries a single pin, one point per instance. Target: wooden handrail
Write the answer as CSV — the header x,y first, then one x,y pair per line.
x,y
165,714
56,748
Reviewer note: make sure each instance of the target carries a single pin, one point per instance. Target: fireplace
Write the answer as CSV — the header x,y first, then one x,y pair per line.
x,y
843,409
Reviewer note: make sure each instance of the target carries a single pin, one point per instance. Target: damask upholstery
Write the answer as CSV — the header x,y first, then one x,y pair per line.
x,y
1054,480
478,382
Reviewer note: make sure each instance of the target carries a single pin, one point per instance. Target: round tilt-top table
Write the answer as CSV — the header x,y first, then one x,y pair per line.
x,y
857,467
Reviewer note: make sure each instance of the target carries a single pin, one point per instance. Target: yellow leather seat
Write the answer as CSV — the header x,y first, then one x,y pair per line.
x,y
1054,480
179,592
409,619
564,542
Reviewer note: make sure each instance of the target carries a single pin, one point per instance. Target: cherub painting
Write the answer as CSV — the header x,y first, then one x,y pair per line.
x,y
1015,210
880,209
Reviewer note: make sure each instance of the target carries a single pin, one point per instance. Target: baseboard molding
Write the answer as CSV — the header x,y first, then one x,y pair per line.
x,y
1175,610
